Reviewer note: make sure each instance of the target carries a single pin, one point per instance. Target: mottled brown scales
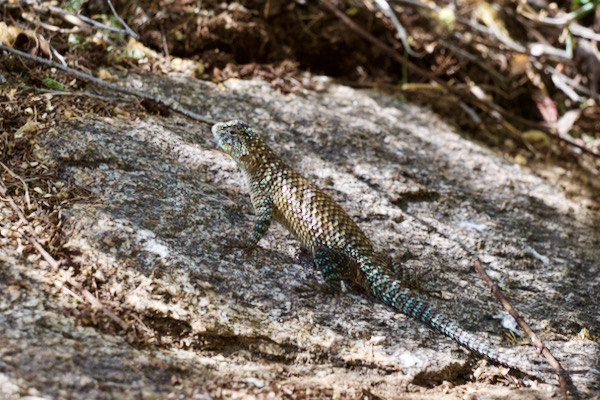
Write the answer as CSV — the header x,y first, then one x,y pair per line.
x,y
340,248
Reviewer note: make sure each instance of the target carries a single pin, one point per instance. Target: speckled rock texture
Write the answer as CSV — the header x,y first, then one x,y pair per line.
x,y
156,238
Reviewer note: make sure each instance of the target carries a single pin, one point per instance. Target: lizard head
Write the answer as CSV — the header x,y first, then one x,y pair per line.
x,y
237,139
246,147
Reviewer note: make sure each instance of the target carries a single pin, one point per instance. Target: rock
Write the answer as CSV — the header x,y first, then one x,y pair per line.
x,y
207,321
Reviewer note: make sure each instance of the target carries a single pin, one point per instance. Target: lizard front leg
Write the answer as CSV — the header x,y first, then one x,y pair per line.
x,y
263,207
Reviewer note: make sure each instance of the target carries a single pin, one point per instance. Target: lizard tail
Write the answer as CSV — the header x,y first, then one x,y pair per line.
x,y
391,292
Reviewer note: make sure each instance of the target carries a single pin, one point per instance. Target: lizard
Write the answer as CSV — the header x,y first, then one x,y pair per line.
x,y
339,247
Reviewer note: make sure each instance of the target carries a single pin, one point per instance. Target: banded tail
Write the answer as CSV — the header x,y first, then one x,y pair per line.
x,y
391,292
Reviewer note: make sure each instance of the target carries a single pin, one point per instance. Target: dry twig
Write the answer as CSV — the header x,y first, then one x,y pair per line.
x,y
32,237
72,18
173,105
389,12
484,105
539,345
563,376
129,31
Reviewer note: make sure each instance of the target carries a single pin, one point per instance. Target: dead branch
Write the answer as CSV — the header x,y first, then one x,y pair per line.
x,y
563,376
482,104
80,20
32,237
384,6
170,103
129,31
539,345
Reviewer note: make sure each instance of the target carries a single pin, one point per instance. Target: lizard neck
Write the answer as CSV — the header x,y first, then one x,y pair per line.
x,y
260,160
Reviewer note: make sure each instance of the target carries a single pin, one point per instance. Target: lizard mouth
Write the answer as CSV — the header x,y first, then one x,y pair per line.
x,y
217,127
219,131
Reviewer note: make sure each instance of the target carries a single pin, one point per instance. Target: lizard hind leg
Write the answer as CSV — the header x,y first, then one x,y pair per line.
x,y
335,266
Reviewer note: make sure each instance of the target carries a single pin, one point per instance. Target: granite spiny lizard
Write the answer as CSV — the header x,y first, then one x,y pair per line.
x,y
340,249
